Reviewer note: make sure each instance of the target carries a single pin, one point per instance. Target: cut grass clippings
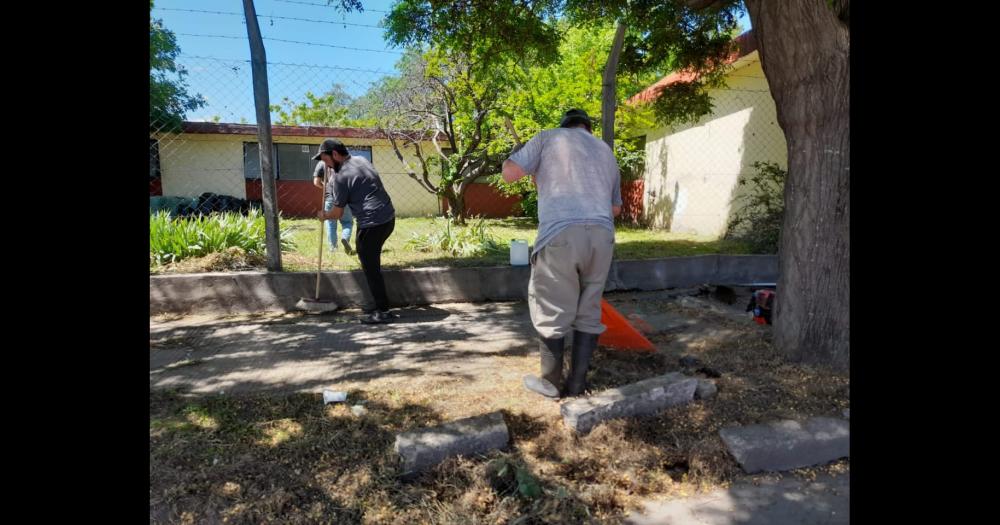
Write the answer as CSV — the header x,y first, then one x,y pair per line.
x,y
291,459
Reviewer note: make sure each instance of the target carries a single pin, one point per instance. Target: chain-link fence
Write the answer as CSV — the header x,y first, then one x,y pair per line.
x,y
698,176
211,162
218,158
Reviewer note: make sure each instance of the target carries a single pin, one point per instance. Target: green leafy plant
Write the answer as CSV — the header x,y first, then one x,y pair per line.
x,y
173,239
464,241
757,222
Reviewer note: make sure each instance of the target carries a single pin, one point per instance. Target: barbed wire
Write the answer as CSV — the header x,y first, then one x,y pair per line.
x,y
241,15
270,63
295,42
326,5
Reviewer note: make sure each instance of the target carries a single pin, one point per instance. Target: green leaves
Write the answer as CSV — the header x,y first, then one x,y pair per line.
x,y
509,476
523,188
168,96
663,36
527,485
488,32
175,239
458,241
761,209
334,108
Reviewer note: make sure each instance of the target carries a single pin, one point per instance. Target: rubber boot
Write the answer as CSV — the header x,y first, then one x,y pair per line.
x,y
583,350
550,382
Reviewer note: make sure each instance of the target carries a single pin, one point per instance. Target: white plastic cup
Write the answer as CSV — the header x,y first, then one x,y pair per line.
x,y
330,396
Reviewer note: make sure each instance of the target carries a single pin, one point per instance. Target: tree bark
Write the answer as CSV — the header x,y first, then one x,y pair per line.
x,y
804,50
456,206
608,88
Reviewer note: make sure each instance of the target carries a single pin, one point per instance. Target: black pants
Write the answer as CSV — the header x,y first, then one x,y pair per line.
x,y
369,244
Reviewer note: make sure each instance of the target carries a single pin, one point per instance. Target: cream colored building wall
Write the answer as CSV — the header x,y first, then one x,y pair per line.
x,y
692,171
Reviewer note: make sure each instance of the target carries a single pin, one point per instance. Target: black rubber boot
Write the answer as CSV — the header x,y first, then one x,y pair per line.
x,y
550,382
583,350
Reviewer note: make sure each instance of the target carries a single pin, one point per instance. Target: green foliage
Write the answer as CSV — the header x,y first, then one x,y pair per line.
x,y
459,241
509,476
757,222
662,36
334,108
574,81
168,96
547,91
523,188
486,31
631,156
174,239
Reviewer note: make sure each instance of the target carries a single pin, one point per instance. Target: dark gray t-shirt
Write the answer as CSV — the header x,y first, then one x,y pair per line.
x,y
358,185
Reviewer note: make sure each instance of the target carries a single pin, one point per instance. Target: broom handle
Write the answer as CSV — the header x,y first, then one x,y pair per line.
x,y
322,204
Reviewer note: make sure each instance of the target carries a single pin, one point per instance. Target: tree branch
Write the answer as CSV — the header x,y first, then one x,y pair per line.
x,y
426,184
434,140
698,5
426,171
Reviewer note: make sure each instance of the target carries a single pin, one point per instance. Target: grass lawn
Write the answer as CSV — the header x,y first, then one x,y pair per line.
x,y
631,243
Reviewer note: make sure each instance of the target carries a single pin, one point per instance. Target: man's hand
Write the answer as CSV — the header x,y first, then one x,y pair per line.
x,y
321,216
616,210
318,182
334,214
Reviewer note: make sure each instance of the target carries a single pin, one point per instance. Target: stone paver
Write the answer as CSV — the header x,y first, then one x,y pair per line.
x,y
422,449
642,398
786,445
705,390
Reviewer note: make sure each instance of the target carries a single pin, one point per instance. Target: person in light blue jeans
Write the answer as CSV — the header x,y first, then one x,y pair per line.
x,y
346,221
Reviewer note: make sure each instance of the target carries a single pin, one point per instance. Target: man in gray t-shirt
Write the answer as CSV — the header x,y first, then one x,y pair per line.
x,y
579,195
357,185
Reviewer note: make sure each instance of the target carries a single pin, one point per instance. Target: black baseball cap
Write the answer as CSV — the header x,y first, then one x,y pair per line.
x,y
330,145
574,117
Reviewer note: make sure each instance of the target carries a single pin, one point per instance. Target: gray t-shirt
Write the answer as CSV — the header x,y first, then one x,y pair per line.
x,y
358,185
577,177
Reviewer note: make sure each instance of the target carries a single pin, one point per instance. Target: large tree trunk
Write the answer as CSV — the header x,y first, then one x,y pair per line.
x,y
461,193
456,205
805,53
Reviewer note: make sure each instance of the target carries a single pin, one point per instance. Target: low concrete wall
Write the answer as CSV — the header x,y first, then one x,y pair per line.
x,y
244,292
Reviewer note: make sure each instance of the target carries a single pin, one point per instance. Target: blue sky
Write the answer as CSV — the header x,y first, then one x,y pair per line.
x,y
226,83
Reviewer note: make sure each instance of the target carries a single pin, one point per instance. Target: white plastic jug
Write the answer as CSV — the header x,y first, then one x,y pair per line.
x,y
518,252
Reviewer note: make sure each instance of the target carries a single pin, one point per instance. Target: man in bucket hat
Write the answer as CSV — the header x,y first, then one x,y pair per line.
x,y
579,195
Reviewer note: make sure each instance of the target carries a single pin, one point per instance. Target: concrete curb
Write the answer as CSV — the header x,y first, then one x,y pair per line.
x,y
247,292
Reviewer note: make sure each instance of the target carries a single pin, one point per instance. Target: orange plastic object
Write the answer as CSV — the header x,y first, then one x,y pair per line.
x,y
620,335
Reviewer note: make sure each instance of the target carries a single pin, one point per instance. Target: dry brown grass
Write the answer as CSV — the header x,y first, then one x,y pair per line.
x,y
289,459
232,259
